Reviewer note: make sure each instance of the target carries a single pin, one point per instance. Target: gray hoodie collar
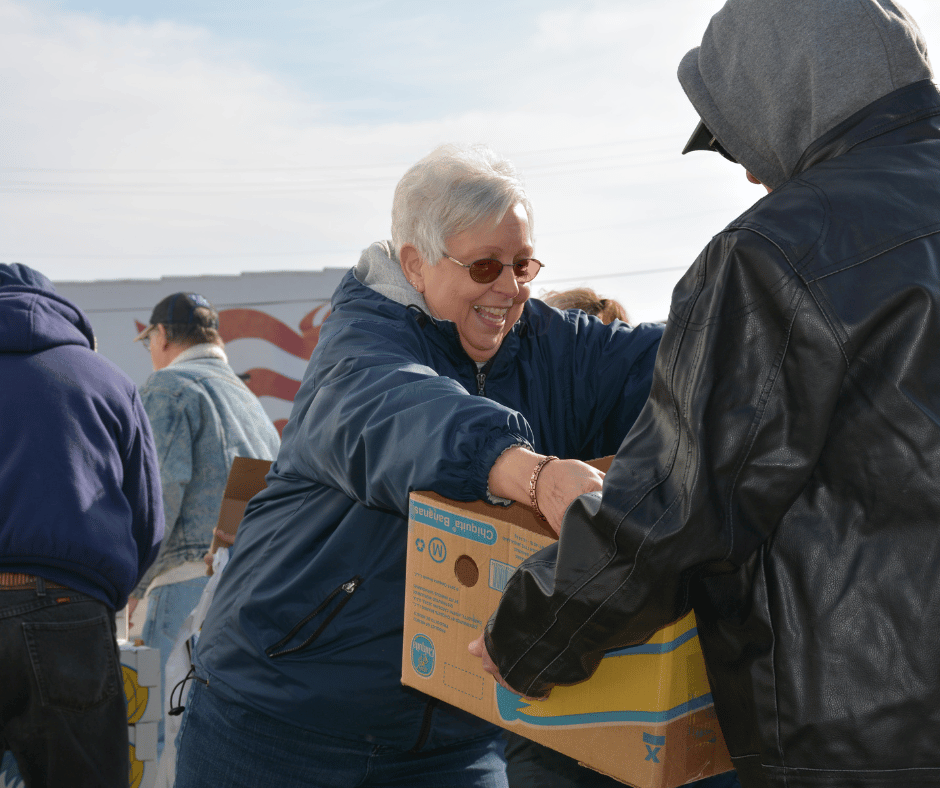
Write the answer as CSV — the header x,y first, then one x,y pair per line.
x,y
379,269
772,76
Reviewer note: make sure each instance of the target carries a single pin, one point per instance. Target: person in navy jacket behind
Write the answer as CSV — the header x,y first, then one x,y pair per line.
x,y
81,519
435,371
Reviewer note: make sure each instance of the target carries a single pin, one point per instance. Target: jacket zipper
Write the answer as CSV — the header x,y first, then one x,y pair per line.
x,y
278,650
423,320
481,378
425,725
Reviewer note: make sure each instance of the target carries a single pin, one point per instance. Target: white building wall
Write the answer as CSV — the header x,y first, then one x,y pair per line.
x,y
270,322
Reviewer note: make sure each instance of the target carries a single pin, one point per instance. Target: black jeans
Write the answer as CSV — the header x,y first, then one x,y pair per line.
x,y
63,713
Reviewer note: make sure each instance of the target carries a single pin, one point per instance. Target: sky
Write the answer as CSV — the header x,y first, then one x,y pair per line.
x,y
141,139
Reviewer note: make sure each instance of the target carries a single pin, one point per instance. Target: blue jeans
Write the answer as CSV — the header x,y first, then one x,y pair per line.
x,y
167,608
533,764
222,743
63,713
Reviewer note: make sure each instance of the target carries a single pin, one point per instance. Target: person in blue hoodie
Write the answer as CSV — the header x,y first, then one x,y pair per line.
x,y
435,371
81,519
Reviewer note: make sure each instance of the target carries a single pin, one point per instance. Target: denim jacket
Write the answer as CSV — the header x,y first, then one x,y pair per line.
x,y
203,416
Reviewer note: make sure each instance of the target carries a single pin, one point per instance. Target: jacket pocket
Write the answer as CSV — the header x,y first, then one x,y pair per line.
x,y
347,589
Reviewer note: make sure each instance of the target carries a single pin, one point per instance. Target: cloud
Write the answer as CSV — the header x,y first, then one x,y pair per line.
x,y
127,141
117,95
137,149
141,148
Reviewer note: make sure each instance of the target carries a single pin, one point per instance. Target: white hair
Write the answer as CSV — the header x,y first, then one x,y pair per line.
x,y
450,190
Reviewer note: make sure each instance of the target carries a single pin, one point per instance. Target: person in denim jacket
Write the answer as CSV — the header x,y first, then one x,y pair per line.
x,y
203,416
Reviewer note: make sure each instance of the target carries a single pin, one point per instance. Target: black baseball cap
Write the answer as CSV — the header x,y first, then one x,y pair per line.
x,y
703,139
180,309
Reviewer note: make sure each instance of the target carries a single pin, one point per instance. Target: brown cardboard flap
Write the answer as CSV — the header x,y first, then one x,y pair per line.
x,y
245,480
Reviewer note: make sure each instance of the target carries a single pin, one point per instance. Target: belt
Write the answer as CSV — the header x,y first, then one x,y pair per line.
x,y
15,581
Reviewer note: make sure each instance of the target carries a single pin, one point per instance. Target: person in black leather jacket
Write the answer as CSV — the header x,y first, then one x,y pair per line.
x,y
783,479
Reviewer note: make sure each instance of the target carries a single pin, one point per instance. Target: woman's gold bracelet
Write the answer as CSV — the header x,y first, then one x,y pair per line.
x,y
535,480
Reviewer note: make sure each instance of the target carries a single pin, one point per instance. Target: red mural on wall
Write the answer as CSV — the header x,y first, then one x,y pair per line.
x,y
254,324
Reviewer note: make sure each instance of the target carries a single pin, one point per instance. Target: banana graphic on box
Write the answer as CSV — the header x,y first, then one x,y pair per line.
x,y
628,697
137,696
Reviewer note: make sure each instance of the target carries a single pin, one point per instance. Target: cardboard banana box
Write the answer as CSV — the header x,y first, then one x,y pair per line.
x,y
646,717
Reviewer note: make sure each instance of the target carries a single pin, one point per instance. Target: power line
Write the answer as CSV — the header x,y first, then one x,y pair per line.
x,y
632,142
222,304
169,255
287,188
673,219
310,255
644,272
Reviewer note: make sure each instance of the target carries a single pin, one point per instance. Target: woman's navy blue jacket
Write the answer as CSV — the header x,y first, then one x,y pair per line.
x,y
306,625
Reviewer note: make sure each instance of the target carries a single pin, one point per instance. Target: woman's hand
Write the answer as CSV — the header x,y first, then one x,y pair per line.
x,y
559,482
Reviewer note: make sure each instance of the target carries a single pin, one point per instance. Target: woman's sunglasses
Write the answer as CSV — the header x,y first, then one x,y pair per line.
x,y
486,271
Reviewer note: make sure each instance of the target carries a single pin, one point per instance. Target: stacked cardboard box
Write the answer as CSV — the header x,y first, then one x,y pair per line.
x,y
646,717
140,666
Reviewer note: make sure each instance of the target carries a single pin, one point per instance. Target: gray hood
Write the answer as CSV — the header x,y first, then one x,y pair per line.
x,y
380,269
772,76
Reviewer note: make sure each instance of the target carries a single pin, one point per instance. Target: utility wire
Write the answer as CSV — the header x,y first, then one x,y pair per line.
x,y
633,143
283,188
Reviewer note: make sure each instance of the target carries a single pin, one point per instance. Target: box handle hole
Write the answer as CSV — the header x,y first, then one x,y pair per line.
x,y
466,570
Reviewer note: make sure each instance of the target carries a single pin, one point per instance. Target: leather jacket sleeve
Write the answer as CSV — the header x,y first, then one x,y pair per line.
x,y
745,383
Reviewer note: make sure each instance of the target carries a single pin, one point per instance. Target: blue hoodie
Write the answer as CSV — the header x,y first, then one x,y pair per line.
x,y
80,500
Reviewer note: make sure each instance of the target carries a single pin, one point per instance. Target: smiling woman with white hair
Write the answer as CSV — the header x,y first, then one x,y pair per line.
x,y
435,371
